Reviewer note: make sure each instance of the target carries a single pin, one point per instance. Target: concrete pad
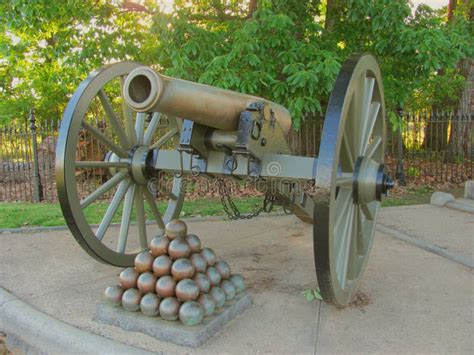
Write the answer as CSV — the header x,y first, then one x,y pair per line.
x,y
273,254
173,332
443,227
418,303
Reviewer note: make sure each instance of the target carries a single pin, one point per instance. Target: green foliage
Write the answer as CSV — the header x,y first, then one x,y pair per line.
x,y
311,295
47,47
283,51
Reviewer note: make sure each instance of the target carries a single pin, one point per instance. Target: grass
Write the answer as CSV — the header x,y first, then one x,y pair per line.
x,y
24,214
17,215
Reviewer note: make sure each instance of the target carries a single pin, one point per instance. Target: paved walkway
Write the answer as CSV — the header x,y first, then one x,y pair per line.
x,y
411,300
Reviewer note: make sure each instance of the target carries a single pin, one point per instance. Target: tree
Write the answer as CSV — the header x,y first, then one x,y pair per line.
x,y
287,51
47,47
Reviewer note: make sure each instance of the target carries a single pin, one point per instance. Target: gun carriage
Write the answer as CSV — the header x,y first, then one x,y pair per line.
x,y
220,133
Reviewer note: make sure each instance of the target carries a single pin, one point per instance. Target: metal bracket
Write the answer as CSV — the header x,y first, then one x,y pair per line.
x,y
193,136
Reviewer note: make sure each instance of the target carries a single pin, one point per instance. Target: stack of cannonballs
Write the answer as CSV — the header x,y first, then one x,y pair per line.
x,y
176,279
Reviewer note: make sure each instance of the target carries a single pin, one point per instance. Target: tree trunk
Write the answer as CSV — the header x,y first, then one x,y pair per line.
x,y
460,140
333,12
253,5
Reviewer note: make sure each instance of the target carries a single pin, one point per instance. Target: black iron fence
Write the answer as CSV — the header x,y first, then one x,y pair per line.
x,y
424,148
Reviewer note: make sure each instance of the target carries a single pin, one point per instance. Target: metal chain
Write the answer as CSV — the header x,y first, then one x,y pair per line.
x,y
229,206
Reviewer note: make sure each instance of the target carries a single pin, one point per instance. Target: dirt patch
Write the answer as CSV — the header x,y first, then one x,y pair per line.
x,y
360,300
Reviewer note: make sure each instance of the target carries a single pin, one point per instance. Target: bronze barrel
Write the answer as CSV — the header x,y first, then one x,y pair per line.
x,y
146,90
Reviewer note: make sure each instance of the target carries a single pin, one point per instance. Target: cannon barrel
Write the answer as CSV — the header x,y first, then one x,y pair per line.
x,y
146,90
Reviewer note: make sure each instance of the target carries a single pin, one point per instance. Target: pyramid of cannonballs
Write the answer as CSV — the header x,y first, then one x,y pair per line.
x,y
176,279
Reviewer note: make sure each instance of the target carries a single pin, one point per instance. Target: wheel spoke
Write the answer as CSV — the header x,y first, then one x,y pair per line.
x,y
353,252
114,120
125,223
128,116
141,220
166,137
361,240
344,200
100,164
106,141
140,127
369,125
367,212
372,148
347,157
103,189
344,180
344,247
154,209
112,209
151,129
368,84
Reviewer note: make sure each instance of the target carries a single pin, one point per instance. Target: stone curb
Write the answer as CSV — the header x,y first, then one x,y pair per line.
x,y
27,230
32,331
426,246
455,205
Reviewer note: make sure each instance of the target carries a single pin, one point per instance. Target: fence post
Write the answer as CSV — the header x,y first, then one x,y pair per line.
x,y
37,187
400,172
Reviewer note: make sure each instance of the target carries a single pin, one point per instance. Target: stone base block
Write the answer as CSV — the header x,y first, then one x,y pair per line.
x,y
173,331
469,190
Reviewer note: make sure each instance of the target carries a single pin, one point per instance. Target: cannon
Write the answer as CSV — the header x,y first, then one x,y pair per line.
x,y
161,125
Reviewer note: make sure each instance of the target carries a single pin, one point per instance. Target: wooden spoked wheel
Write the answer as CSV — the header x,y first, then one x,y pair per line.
x,y
349,179
121,164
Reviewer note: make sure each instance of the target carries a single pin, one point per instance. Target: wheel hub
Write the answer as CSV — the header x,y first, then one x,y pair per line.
x,y
140,163
370,181
140,167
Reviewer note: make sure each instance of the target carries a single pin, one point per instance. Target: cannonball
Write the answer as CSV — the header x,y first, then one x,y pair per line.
x,y
218,295
113,295
191,313
182,269
128,278
202,281
131,300
169,308
209,255
228,288
187,290
194,243
198,262
162,266
149,305
146,282
143,262
214,276
165,286
223,268
178,248
207,302
159,246
176,229
238,282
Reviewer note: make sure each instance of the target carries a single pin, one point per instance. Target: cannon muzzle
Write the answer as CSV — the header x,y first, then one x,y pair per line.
x,y
147,91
